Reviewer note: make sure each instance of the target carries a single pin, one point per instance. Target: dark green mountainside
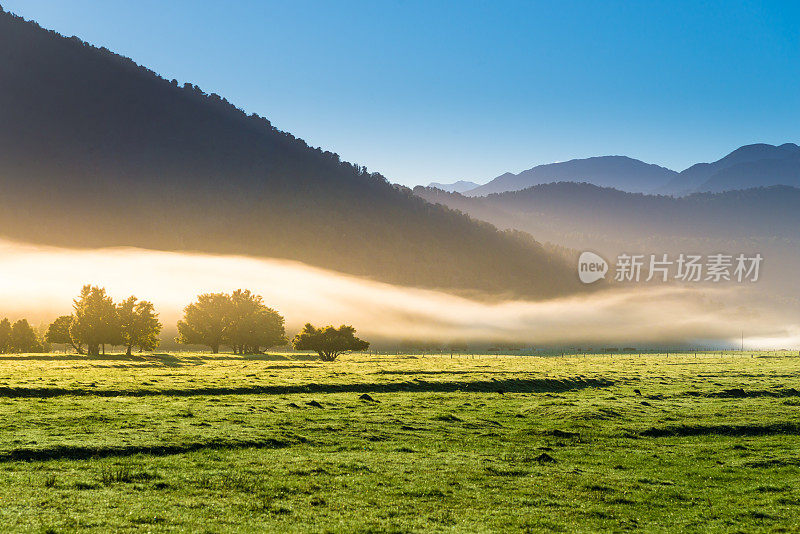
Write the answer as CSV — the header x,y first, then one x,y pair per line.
x,y
98,151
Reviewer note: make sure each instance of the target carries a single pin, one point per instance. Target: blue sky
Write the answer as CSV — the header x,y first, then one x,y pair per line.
x,y
438,91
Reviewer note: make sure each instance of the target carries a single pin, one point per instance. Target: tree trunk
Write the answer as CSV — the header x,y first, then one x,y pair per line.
x,y
327,356
128,352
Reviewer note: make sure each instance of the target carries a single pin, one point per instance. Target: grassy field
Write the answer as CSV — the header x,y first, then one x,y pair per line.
x,y
201,443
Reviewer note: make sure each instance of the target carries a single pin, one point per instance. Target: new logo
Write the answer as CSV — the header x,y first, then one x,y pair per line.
x,y
591,267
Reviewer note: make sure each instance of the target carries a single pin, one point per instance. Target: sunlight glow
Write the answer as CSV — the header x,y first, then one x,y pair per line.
x,y
40,283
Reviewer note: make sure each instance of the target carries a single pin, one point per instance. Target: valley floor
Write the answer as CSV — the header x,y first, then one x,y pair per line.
x,y
201,443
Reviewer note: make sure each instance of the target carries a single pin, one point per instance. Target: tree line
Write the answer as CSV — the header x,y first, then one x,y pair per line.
x,y
243,322
239,320
97,321
19,337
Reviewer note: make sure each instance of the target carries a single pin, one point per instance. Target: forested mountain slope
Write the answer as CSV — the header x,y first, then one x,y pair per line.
x,y
97,151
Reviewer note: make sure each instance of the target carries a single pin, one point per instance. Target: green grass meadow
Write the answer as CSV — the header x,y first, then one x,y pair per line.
x,y
200,443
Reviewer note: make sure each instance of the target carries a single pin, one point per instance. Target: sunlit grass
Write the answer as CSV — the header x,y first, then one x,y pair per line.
x,y
191,442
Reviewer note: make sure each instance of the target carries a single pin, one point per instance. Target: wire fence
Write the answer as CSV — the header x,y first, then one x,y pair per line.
x,y
545,353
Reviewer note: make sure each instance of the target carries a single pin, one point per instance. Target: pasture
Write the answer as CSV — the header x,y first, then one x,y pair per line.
x,y
190,442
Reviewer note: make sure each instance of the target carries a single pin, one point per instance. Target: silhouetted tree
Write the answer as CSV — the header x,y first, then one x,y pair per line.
x,y
240,320
23,338
58,333
206,322
96,321
5,336
139,326
329,342
253,325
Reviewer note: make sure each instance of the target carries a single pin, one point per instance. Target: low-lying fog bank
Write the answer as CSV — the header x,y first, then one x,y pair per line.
x,y
40,283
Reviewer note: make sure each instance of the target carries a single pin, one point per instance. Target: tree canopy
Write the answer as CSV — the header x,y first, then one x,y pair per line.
x,y
206,321
23,338
19,337
239,320
138,324
95,322
253,325
58,333
5,336
329,342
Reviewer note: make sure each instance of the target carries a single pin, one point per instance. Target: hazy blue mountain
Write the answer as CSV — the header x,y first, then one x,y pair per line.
x,y
456,187
97,151
756,165
619,172
761,220
556,210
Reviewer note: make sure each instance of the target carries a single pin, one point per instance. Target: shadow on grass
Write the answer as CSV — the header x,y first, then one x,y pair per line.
x,y
79,357
67,452
739,393
281,357
454,372
169,360
723,430
542,385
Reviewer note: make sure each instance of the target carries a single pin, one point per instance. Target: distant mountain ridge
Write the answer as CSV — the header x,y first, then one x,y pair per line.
x,y
581,216
456,187
749,166
620,172
757,165
556,210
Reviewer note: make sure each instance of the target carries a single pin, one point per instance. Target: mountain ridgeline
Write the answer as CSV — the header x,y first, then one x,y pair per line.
x,y
750,166
620,172
583,216
457,187
562,211
97,151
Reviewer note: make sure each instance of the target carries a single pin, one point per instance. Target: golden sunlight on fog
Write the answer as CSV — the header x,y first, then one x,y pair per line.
x,y
40,283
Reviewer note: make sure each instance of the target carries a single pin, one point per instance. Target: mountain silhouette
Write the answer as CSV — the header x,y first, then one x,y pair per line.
x,y
560,210
98,151
756,165
762,220
750,166
456,187
619,172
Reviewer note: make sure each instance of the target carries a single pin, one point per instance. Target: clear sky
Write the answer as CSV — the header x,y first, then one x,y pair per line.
x,y
439,91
